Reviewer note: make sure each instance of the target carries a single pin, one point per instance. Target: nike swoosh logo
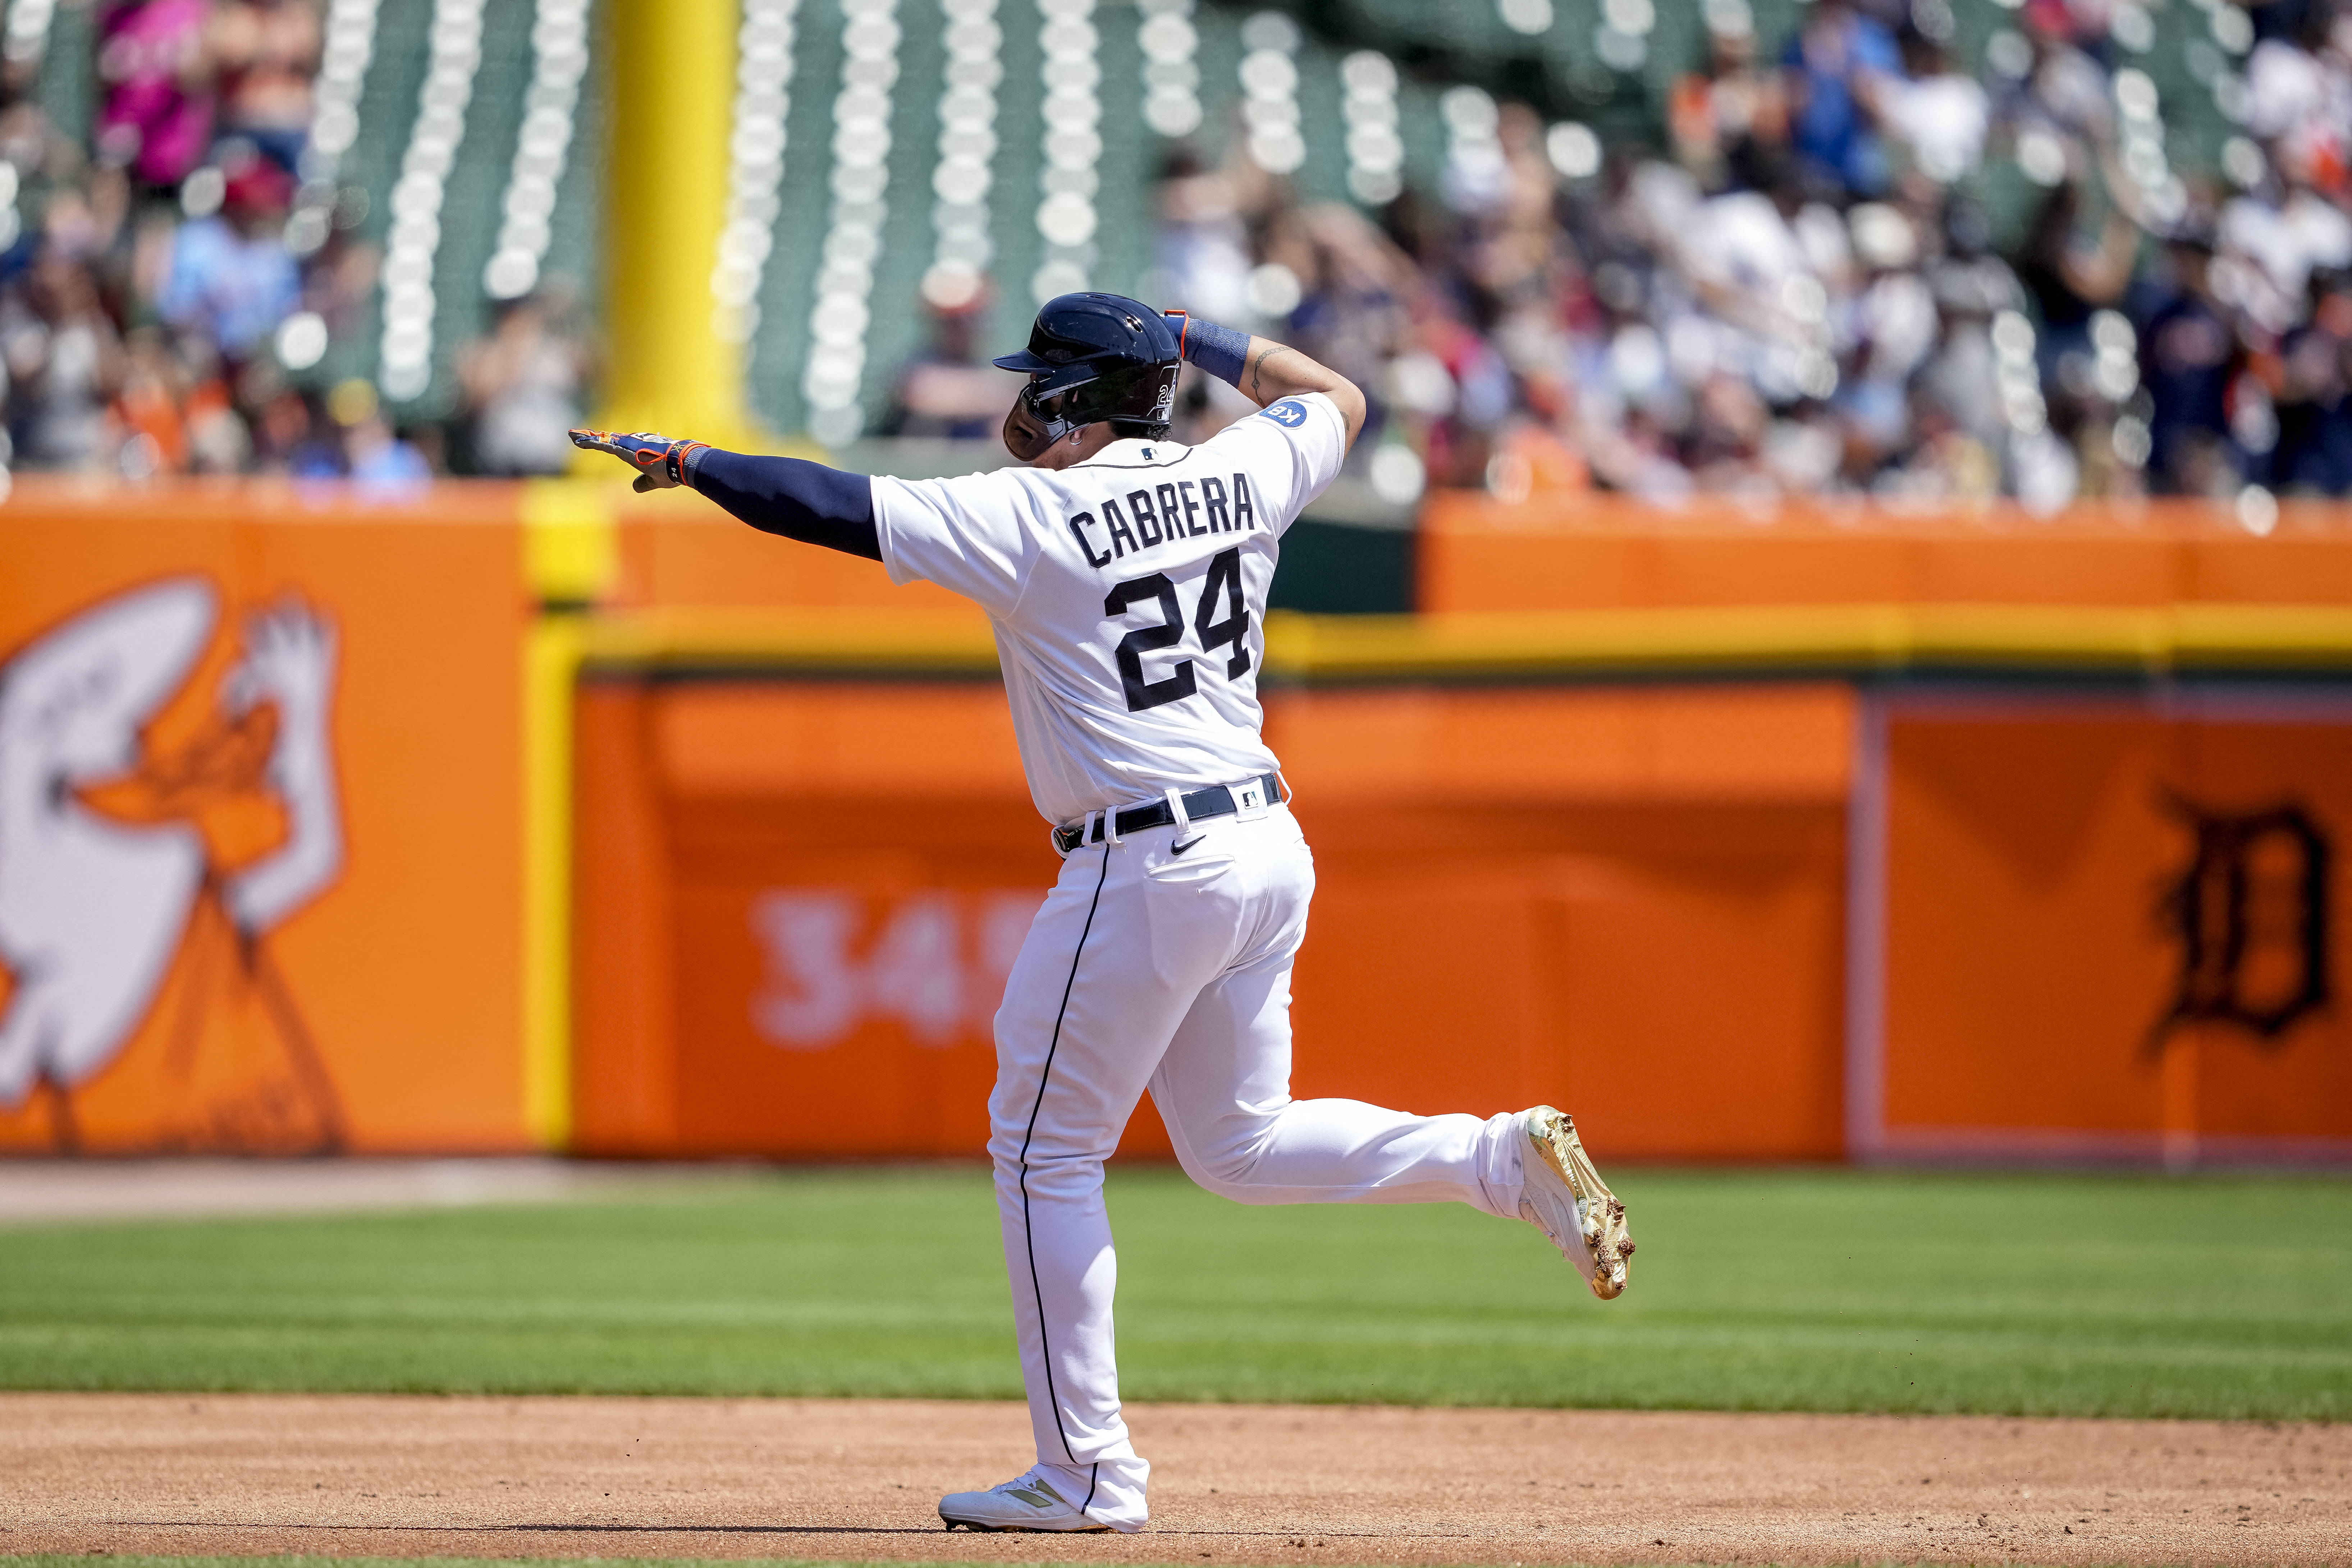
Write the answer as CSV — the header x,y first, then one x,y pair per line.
x,y
1183,844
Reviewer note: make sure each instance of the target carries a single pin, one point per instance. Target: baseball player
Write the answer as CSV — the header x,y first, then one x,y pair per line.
x,y
1125,576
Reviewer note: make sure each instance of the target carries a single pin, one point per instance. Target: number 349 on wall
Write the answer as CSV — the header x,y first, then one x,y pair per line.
x,y
934,963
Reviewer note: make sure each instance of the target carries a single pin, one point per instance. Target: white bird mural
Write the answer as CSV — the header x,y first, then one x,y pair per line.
x,y
94,908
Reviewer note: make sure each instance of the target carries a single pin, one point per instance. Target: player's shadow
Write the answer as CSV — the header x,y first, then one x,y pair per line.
x,y
706,1529
872,1530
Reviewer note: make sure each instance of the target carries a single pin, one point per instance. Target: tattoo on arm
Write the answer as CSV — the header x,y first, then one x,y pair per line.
x,y
1257,371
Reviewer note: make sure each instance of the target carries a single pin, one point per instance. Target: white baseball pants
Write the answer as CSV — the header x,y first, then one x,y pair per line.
x,y
1147,967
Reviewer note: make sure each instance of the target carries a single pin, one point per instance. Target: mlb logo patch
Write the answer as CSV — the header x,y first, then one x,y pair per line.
x,y
1289,412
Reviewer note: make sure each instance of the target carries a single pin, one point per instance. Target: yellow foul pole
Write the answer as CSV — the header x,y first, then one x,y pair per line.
x,y
670,368
673,90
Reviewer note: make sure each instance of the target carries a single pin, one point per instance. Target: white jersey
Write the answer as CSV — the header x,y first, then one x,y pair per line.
x,y
1127,594
1128,597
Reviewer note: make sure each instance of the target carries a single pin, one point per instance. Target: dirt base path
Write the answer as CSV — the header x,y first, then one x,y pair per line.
x,y
859,1478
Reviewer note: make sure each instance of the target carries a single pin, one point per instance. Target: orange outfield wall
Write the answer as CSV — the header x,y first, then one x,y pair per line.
x,y
269,881
1779,919
260,795
1600,552
674,548
797,903
2110,927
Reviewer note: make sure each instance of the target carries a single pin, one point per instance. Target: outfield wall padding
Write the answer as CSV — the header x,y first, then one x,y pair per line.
x,y
1479,554
2109,926
492,818
799,901
205,945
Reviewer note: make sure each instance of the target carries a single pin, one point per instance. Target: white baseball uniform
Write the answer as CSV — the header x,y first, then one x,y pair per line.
x,y
1127,594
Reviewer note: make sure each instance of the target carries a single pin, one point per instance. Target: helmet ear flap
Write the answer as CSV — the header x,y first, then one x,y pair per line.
x,y
1025,436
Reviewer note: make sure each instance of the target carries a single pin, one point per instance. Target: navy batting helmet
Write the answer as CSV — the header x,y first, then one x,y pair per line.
x,y
1092,357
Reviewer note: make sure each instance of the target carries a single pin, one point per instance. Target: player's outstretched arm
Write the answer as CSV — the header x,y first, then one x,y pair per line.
x,y
803,500
1265,371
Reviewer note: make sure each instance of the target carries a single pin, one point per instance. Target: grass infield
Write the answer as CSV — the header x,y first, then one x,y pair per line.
x,y
2228,1296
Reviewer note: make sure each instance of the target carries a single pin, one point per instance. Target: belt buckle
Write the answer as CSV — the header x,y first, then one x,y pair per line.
x,y
1249,799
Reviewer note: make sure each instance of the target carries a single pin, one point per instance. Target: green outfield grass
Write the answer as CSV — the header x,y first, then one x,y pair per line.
x,y
1753,1290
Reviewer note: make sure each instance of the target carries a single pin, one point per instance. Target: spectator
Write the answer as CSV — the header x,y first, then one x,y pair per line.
x,y
2299,91
230,281
1721,116
2314,413
1765,264
375,460
293,436
1353,311
65,365
948,389
2067,279
1941,115
2187,353
522,386
2279,232
1201,246
148,408
1893,328
266,52
1840,65
382,462
1957,392
2064,93
219,440
156,74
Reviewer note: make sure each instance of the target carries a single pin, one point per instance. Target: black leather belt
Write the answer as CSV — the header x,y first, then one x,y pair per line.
x,y
1214,801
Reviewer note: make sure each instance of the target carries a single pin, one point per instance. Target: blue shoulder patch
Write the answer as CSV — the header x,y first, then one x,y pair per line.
x,y
1290,413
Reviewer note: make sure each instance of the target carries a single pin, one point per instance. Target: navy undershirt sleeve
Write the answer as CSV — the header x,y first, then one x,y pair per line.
x,y
803,500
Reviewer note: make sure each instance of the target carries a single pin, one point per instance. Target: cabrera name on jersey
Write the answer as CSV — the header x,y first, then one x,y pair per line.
x,y
1127,594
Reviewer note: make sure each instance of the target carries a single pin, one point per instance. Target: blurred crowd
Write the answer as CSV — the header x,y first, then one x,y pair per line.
x,y
173,282
1795,289
1800,292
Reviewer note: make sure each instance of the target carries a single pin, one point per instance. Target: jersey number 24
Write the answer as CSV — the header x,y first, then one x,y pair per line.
x,y
1224,578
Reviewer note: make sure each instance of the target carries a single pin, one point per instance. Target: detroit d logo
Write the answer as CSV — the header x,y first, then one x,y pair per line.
x,y
2250,914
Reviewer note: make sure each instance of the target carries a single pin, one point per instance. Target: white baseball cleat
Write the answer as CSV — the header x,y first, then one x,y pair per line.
x,y
1026,1502
1565,1199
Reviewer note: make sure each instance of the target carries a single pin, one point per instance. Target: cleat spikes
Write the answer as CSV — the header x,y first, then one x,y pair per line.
x,y
1561,1185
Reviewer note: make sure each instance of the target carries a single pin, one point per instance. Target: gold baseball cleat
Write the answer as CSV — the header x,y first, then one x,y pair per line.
x,y
1565,1199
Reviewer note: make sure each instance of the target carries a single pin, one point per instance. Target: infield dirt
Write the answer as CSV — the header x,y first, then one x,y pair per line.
x,y
247,1474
